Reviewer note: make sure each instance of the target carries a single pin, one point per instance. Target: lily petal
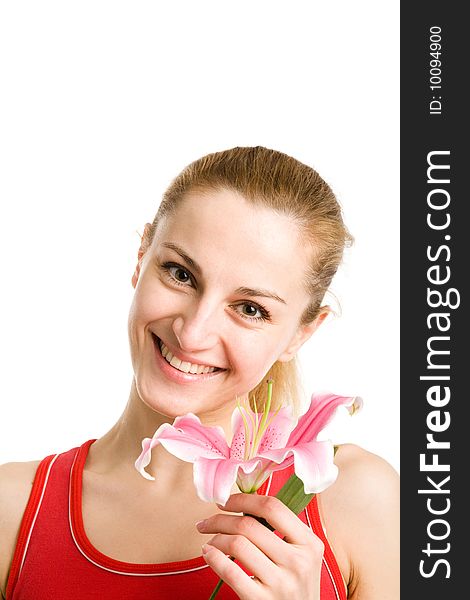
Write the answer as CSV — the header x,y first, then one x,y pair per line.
x,y
313,464
146,454
250,481
189,440
238,445
214,479
319,414
248,466
278,433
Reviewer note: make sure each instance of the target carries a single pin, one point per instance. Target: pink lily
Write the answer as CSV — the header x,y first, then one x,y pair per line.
x,y
261,443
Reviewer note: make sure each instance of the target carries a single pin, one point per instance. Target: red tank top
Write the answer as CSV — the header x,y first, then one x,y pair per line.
x,y
54,558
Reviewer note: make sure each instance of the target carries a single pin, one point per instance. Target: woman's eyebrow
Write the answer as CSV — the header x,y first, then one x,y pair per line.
x,y
192,263
244,291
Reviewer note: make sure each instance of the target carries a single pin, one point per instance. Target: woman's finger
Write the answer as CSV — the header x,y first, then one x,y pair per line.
x,y
241,583
270,545
294,531
250,556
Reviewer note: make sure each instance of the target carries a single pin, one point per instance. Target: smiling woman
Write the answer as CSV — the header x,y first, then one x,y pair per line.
x,y
229,284
205,314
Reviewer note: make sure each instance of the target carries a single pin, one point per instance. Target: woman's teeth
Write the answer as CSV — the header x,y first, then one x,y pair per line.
x,y
184,366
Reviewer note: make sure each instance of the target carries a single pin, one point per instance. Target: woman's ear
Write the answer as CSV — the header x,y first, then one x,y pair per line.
x,y
144,244
303,333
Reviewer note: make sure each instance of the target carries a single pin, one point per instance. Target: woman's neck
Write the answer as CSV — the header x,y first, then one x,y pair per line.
x,y
116,452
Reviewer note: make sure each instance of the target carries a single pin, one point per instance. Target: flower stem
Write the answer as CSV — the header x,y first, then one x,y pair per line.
x,y
292,494
216,589
219,585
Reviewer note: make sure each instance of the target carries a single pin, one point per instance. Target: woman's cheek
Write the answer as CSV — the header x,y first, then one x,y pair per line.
x,y
254,359
150,303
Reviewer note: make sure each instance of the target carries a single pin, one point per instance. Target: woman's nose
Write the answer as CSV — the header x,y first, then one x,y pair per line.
x,y
197,328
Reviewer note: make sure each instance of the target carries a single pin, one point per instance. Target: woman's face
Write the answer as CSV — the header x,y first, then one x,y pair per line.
x,y
220,287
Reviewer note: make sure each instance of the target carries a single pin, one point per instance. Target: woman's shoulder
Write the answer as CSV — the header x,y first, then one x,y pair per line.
x,y
367,471
16,480
367,486
361,516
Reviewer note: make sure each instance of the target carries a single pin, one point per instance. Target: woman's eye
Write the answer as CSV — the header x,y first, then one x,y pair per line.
x,y
249,310
253,312
180,274
177,274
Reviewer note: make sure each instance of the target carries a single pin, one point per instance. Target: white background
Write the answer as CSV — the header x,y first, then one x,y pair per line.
x,y
102,104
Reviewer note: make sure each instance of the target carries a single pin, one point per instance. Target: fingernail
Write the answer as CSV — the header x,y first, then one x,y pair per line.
x,y
206,548
200,524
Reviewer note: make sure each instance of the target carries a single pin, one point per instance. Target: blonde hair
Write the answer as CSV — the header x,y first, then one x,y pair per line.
x,y
273,179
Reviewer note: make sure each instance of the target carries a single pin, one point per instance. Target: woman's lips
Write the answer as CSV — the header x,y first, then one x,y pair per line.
x,y
175,374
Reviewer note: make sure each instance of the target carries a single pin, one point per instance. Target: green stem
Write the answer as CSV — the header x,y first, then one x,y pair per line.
x,y
216,589
219,585
292,494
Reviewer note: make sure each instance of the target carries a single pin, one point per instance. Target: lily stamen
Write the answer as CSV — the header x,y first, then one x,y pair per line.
x,y
267,406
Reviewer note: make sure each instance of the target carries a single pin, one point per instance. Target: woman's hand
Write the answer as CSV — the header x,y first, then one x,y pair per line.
x,y
282,568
